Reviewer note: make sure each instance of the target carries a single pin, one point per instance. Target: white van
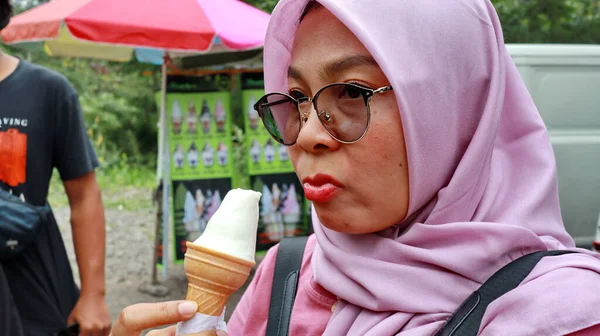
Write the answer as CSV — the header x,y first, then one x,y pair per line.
x,y
564,81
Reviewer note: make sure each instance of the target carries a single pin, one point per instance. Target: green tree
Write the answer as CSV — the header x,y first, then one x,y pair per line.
x,y
117,100
550,21
23,5
266,5
534,21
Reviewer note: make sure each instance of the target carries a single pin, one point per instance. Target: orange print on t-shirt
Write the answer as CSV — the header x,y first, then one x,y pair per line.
x,y
13,157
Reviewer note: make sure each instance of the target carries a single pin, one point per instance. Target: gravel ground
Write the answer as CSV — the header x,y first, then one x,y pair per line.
x,y
129,245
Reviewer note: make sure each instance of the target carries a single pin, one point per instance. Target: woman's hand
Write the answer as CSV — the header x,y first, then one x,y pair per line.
x,y
139,317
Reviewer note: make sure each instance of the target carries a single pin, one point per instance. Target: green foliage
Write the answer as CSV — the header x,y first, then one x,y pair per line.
x,y
118,104
123,186
550,21
123,173
266,5
23,5
534,21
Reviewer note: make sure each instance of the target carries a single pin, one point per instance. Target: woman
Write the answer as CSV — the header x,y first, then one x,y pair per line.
x,y
429,169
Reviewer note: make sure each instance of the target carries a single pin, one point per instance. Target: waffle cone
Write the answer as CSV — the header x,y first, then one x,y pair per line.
x,y
212,277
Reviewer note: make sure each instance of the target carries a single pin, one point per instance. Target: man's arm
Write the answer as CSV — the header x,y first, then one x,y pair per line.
x,y
87,223
88,226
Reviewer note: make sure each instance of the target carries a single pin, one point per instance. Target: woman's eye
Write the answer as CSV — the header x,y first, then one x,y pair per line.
x,y
297,94
351,92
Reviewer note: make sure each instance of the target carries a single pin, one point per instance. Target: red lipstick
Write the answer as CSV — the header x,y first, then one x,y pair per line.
x,y
321,188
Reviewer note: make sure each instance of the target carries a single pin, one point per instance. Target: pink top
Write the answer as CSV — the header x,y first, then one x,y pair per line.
x,y
312,309
314,305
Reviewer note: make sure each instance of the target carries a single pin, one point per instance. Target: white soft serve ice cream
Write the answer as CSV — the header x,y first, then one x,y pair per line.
x,y
232,228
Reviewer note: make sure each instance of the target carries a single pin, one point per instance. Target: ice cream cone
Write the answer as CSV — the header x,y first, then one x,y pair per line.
x,y
212,277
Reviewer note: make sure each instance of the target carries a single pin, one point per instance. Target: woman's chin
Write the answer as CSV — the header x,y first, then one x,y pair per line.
x,y
351,222
344,225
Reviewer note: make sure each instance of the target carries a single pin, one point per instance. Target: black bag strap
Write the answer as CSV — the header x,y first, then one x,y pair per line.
x,y
285,284
467,318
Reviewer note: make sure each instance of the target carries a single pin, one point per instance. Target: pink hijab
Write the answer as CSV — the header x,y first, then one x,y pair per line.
x,y
483,188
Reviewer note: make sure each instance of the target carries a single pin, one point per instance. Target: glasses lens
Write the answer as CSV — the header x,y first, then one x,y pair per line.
x,y
343,112
281,117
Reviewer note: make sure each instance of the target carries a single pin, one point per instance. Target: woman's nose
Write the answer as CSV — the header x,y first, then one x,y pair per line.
x,y
313,137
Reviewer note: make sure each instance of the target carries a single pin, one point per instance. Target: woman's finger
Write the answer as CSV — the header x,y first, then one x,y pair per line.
x,y
136,318
207,333
171,331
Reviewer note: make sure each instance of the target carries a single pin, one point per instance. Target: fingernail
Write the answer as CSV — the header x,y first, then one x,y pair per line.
x,y
187,308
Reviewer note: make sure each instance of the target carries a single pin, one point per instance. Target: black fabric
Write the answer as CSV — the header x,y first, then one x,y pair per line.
x,y
42,284
43,106
4,22
467,319
285,284
19,224
9,318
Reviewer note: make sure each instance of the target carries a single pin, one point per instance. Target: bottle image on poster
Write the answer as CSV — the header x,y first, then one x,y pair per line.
x,y
176,117
290,210
220,116
205,118
208,155
273,226
253,118
281,208
269,151
192,118
193,211
283,153
193,155
194,203
178,156
222,154
255,151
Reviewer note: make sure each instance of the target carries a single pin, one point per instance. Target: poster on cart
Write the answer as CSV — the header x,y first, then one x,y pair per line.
x,y
200,143
283,209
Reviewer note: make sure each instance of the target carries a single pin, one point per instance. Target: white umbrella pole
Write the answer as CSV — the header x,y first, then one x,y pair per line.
x,y
166,176
160,141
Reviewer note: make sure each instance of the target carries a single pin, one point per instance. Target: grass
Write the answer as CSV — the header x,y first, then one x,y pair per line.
x,y
123,187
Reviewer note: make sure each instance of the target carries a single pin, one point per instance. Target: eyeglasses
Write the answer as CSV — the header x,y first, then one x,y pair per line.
x,y
342,108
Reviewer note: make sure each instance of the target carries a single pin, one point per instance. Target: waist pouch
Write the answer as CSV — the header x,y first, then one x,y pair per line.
x,y
19,223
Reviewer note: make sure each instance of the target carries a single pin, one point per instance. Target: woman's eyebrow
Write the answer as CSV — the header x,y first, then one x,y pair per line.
x,y
294,73
336,67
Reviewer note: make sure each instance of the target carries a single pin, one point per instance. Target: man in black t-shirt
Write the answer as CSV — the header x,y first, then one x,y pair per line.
x,y
42,128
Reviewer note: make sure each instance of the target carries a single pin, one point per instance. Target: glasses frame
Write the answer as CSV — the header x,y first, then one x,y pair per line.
x,y
367,94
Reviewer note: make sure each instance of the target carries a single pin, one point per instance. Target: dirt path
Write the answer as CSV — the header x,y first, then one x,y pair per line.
x,y
130,240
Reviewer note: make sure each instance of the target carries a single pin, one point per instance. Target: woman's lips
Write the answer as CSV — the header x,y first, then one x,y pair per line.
x,y
321,188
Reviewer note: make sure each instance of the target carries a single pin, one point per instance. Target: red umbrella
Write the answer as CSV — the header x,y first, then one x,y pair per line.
x,y
176,25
